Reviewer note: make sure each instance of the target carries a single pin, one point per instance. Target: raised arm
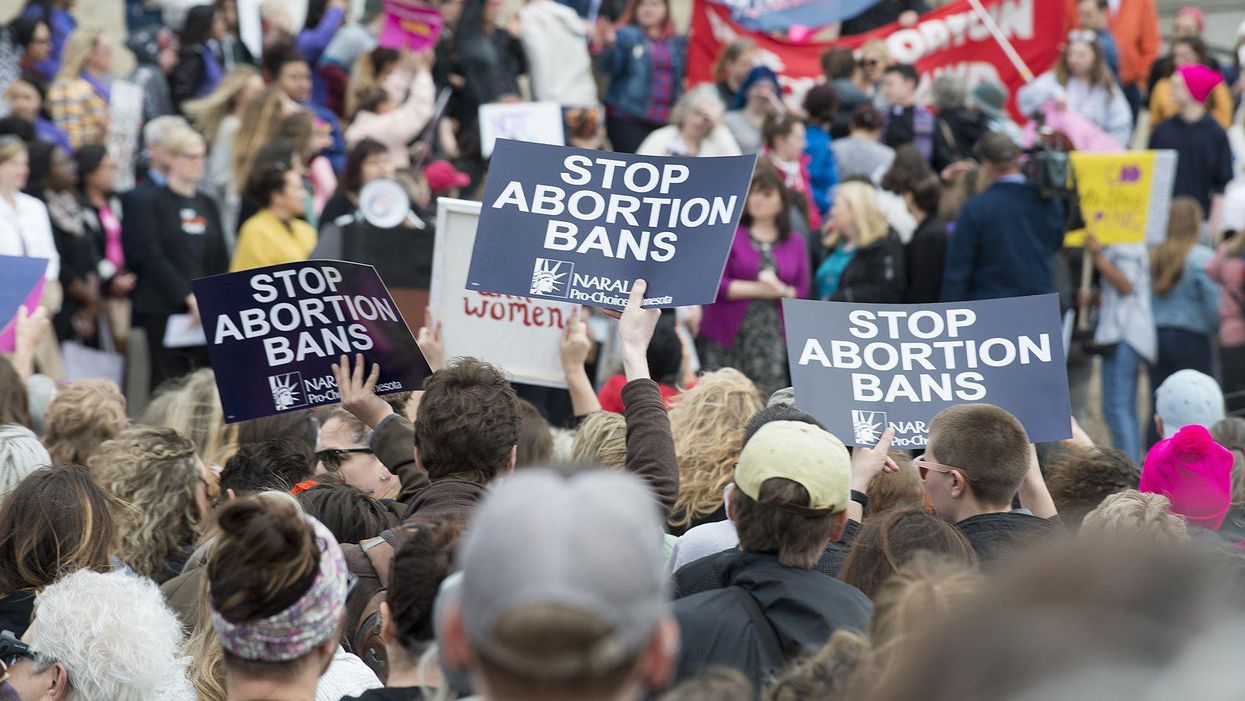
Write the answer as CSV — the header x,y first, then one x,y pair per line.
x,y
650,443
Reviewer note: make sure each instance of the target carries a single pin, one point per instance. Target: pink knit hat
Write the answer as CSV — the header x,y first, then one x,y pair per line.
x,y
1195,472
1200,80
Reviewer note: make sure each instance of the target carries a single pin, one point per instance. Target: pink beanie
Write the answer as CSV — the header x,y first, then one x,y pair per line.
x,y
1195,472
1200,80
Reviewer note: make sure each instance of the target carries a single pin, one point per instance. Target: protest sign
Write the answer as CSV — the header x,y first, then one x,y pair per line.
x,y
950,39
860,368
577,225
250,27
23,284
125,121
780,15
410,25
518,334
535,122
273,334
1124,196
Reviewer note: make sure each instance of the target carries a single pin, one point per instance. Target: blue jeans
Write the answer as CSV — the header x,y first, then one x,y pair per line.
x,y
1119,399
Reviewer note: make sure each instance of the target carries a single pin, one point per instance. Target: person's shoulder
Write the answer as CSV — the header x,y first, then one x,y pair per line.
x,y
629,34
1199,256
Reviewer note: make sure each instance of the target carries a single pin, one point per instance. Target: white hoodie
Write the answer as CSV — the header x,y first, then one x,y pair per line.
x,y
555,39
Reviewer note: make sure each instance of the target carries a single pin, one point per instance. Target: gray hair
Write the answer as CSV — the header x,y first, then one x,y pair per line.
x,y
115,636
705,95
155,130
949,92
21,453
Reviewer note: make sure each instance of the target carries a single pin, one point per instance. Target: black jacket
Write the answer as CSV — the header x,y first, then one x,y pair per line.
x,y
169,240
875,274
956,133
994,535
803,608
713,571
926,255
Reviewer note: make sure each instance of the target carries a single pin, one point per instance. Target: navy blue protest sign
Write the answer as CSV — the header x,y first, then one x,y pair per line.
x,y
273,334
580,226
860,368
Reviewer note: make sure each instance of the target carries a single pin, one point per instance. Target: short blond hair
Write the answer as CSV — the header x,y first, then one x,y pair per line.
x,y
81,416
179,139
601,440
1132,513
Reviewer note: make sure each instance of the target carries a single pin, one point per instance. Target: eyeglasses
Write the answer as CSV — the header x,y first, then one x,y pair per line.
x,y
870,62
925,466
334,457
1086,35
13,649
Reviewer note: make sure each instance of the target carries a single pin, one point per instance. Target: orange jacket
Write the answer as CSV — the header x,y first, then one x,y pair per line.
x,y
1135,27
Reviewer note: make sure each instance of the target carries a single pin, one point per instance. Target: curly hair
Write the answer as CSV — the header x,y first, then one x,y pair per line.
x,y
192,408
601,440
1131,513
155,473
83,415
468,422
708,423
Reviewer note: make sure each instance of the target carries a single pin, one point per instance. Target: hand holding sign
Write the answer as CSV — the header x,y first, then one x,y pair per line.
x,y
358,396
429,340
635,331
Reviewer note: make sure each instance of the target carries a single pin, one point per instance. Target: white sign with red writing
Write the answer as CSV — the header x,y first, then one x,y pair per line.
x,y
518,334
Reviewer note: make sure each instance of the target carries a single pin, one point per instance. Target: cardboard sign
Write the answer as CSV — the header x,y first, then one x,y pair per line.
x,y
23,284
580,226
273,334
536,122
860,368
1125,197
949,39
517,334
410,25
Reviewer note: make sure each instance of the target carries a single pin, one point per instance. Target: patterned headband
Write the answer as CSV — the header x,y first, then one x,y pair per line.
x,y
310,621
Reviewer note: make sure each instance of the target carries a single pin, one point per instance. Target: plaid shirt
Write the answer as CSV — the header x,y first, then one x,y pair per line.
x,y
663,82
79,111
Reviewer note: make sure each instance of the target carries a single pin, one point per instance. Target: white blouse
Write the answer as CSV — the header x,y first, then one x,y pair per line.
x,y
26,231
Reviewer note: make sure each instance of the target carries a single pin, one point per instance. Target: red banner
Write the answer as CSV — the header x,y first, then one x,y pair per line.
x,y
952,38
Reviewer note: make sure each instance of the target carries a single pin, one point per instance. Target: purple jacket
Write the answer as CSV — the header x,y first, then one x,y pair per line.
x,y
722,319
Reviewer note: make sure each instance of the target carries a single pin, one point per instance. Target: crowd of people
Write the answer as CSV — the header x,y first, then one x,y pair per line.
x,y
671,526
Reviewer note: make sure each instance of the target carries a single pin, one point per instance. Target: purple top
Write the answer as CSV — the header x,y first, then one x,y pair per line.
x,y
722,318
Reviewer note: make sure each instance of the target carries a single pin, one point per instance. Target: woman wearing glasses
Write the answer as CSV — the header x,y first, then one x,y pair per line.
x,y
1081,82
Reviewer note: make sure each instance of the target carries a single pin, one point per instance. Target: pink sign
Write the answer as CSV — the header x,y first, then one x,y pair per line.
x,y
410,25
8,334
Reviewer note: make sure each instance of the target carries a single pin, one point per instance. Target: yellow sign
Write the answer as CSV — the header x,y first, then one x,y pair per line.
x,y
1117,193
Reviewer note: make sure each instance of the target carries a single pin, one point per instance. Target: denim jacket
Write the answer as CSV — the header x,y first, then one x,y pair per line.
x,y
631,70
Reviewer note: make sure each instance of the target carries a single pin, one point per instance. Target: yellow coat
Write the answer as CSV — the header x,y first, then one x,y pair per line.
x,y
1219,104
264,240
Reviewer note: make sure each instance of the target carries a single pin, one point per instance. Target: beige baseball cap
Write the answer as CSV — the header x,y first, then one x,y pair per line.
x,y
805,454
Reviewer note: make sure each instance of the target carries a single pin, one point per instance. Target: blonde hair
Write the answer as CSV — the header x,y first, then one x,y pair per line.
x,y
1167,259
363,79
11,147
193,409
867,217
153,473
207,113
261,118
1131,513
601,440
206,670
178,139
708,423
81,416
77,50
922,593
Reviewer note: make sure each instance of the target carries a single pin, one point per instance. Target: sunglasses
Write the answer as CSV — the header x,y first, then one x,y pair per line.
x,y
13,649
926,466
334,457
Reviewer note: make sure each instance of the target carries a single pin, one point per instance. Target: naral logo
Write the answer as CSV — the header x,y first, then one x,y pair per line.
x,y
551,278
868,426
287,390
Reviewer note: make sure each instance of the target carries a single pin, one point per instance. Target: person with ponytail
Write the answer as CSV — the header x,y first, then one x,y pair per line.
x,y
277,586
1186,301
